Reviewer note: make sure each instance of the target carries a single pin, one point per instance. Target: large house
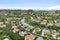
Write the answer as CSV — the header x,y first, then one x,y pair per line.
x,y
15,29
30,37
45,32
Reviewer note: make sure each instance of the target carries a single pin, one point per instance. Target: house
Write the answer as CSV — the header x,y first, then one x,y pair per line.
x,y
57,22
15,29
6,21
22,33
26,25
13,21
23,21
54,34
44,22
13,26
0,31
50,23
39,38
36,30
32,18
58,38
2,25
38,18
47,17
45,32
30,37
6,39
1,22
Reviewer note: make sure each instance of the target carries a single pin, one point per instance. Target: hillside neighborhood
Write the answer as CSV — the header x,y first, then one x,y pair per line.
x,y
29,25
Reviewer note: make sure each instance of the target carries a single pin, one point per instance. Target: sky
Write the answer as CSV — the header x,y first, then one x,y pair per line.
x,y
30,4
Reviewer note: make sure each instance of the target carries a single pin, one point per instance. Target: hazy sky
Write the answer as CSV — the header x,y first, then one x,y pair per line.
x,y
30,4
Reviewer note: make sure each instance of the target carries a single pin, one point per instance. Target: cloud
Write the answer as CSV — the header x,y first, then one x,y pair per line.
x,y
53,8
10,7
24,8
33,7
